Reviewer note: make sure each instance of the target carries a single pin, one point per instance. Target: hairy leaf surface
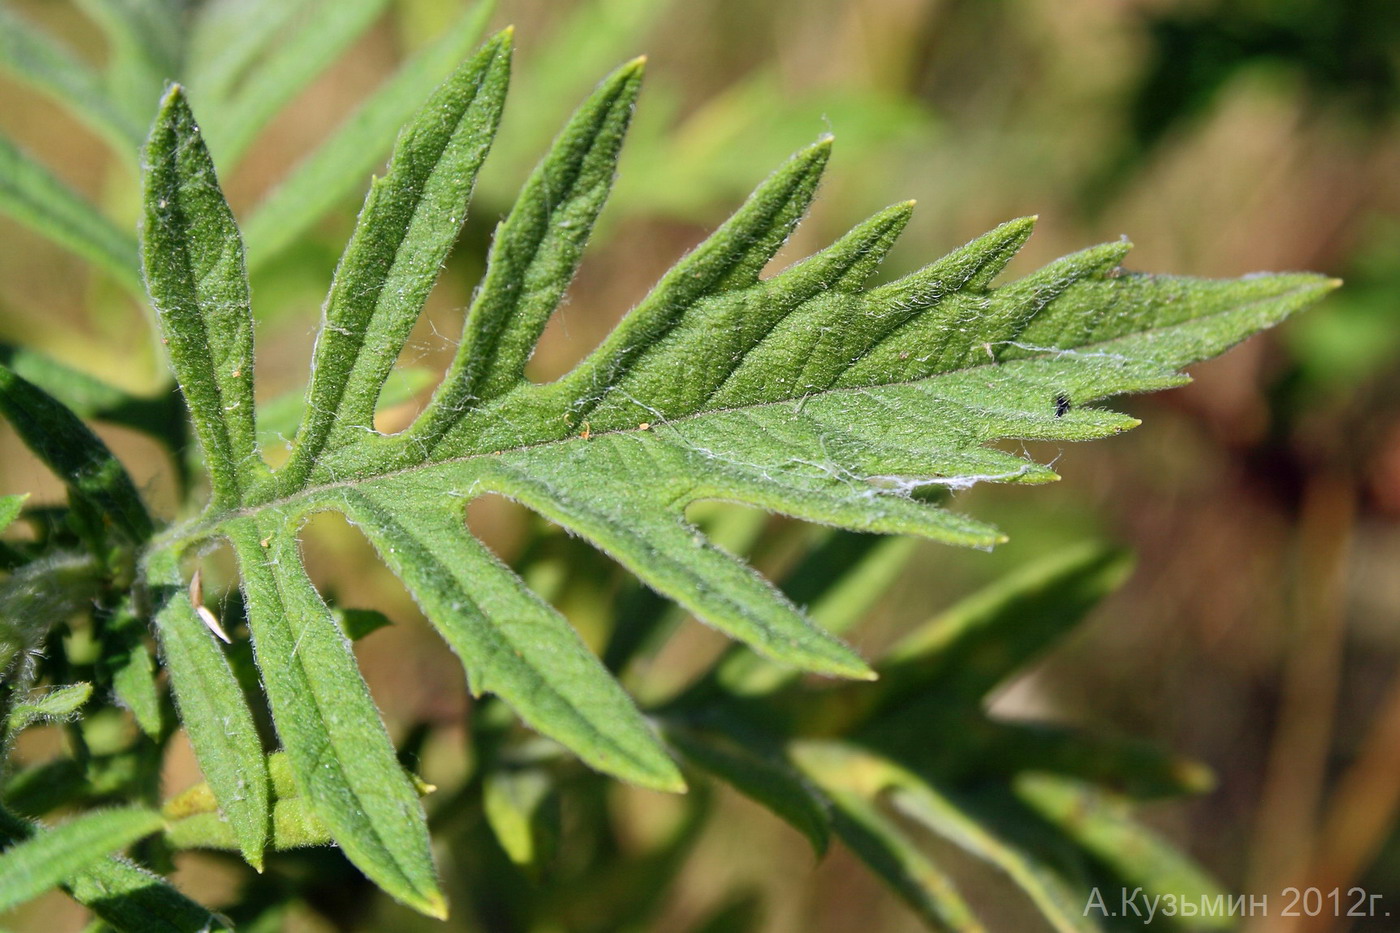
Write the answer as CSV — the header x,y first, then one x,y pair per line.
x,y
50,857
805,393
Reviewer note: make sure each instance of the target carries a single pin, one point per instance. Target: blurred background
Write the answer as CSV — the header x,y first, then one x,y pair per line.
x,y
1260,633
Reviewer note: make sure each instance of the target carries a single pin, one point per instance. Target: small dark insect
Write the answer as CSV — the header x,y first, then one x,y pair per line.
x,y
1061,405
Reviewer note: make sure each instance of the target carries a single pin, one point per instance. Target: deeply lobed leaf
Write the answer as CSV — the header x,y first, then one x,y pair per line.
x,y
805,393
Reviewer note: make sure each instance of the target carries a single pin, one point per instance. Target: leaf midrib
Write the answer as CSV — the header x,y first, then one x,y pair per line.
x,y
208,526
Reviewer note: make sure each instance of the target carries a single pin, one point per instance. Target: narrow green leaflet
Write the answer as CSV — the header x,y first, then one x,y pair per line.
x,y
1013,795
804,393
852,782
161,416
1134,854
1132,767
51,856
970,649
1059,903
193,260
36,59
339,750
586,39
310,41
538,247
131,898
537,663
72,451
212,707
55,705
522,807
127,664
406,228
340,164
32,195
856,779
761,774
837,582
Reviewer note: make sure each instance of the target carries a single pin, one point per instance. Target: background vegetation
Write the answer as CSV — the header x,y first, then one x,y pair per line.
x,y
1258,633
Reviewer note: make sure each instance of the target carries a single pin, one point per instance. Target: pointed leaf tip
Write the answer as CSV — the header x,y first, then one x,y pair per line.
x,y
503,40
174,99
435,906
192,259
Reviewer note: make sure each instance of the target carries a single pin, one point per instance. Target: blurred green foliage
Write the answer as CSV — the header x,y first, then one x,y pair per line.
x,y
1226,136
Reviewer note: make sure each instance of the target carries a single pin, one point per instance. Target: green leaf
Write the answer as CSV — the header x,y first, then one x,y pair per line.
x,y
58,704
77,455
409,222
34,58
804,393
51,856
857,779
336,168
536,662
193,259
522,808
838,582
1132,767
339,750
852,781
32,195
318,32
760,774
212,707
1060,904
357,623
161,416
37,596
585,39
127,663
10,507
536,251
132,898
1134,854
971,648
